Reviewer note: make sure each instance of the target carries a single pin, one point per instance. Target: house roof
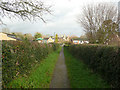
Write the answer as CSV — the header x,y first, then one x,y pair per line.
x,y
39,39
7,36
4,36
45,38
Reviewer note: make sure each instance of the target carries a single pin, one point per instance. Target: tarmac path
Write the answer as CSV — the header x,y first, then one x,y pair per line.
x,y
60,77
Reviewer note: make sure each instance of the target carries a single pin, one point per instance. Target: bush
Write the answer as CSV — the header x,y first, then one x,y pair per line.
x,y
18,57
104,60
55,46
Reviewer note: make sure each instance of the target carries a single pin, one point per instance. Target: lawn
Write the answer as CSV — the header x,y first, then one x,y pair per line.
x,y
40,76
80,75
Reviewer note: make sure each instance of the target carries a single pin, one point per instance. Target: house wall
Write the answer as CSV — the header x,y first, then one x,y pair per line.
x,y
39,41
44,41
50,40
79,42
76,41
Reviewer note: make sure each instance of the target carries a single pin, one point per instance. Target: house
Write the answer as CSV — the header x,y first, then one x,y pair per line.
x,y
40,40
79,41
76,41
45,40
63,38
50,40
5,36
67,39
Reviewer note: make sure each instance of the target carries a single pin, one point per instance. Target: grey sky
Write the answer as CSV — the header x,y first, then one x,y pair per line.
x,y
63,20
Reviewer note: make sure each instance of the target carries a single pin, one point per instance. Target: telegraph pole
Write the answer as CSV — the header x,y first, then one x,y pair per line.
x,y
119,17
119,22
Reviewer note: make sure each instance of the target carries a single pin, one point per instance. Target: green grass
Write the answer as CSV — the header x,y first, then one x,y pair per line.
x,y
80,75
41,74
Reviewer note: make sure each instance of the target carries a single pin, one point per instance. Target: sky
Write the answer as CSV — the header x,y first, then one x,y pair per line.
x,y
62,21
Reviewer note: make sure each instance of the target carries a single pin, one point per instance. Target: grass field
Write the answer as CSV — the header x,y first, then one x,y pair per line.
x,y
80,75
40,76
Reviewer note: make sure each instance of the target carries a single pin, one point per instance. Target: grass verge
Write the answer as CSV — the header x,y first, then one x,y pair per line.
x,y
80,75
40,76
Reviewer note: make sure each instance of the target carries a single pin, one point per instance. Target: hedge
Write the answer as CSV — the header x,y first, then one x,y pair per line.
x,y
18,58
104,60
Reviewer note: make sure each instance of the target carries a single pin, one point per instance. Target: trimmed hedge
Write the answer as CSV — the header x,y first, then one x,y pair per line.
x,y
104,60
18,58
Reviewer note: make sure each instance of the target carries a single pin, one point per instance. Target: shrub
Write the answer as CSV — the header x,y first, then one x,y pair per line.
x,y
104,60
18,57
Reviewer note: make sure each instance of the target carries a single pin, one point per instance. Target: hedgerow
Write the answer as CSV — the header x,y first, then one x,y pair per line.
x,y
104,60
18,57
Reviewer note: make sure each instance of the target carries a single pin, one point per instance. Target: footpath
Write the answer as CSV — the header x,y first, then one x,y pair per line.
x,y
60,77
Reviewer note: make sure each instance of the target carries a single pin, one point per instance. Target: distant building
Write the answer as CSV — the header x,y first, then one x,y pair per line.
x,y
67,39
76,41
50,40
40,40
79,41
63,38
5,36
45,40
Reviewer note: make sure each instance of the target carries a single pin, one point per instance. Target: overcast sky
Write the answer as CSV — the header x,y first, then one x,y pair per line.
x,y
63,20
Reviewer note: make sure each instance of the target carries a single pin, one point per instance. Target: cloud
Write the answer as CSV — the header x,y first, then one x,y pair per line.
x,y
63,20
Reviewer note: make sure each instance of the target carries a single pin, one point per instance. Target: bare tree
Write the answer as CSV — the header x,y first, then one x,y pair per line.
x,y
25,9
5,30
93,16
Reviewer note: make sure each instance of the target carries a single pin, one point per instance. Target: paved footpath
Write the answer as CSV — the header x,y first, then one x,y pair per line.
x,y
60,77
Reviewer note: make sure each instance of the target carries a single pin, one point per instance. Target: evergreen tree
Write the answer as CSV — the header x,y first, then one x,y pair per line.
x,y
56,38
